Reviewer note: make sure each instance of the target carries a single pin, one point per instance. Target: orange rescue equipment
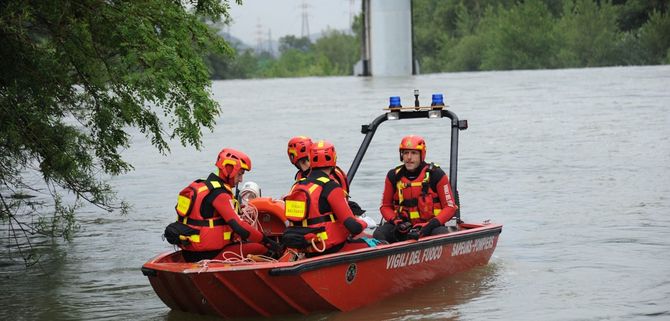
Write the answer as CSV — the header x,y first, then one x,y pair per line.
x,y
270,214
268,205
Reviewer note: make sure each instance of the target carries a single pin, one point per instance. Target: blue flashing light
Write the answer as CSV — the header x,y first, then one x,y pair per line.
x,y
438,100
394,101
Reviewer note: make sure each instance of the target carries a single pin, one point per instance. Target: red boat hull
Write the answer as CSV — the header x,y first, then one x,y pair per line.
x,y
339,281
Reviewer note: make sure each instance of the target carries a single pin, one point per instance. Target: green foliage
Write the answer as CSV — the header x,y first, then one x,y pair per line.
x,y
466,55
589,34
291,42
74,76
335,53
457,35
293,63
635,13
241,66
340,50
519,38
655,38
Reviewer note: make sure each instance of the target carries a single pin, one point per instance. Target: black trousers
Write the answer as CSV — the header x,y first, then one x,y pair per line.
x,y
388,232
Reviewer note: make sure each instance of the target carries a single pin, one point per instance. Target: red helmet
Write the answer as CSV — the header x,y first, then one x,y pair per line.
x,y
230,162
322,154
413,142
298,148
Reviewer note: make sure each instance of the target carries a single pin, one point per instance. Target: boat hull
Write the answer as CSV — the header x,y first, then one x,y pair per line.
x,y
334,282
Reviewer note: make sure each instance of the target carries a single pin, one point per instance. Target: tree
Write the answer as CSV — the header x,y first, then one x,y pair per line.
x,y
636,13
73,76
290,42
589,34
655,38
518,38
340,49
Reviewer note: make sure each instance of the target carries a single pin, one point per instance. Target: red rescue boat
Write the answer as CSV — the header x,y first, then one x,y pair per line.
x,y
339,281
335,282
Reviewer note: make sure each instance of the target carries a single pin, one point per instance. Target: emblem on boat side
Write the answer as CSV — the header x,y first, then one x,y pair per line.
x,y
351,273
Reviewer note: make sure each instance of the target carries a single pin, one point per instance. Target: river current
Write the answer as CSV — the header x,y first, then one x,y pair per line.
x,y
574,163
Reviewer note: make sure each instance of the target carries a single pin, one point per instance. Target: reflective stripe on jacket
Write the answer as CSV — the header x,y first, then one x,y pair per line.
x,y
214,233
307,205
421,197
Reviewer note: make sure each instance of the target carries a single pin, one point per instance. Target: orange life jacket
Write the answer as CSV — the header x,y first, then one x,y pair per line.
x,y
416,200
338,175
307,206
194,208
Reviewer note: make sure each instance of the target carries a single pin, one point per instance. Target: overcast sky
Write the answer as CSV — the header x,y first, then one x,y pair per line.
x,y
284,17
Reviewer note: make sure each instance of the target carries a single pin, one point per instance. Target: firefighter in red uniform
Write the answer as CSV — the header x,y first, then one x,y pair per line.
x,y
298,153
208,214
320,218
417,199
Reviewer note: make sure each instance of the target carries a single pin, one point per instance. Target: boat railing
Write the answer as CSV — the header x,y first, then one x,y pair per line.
x,y
430,112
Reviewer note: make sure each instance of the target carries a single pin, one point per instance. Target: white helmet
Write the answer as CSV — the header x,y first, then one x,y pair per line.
x,y
249,191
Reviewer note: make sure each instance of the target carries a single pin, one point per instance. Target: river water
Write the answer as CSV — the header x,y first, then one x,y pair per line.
x,y
575,164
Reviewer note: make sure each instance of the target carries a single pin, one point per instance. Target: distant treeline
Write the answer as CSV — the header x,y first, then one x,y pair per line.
x,y
334,53
471,35
500,35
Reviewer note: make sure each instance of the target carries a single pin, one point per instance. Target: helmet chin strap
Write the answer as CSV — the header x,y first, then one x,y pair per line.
x,y
226,180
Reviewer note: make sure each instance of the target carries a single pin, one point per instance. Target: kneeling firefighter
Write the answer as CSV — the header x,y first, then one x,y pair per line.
x,y
320,219
208,215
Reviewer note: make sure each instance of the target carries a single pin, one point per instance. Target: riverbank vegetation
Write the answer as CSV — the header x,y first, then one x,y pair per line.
x,y
335,53
479,35
75,77
503,35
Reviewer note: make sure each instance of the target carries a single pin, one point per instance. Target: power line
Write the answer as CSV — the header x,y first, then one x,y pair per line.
x,y
260,36
305,19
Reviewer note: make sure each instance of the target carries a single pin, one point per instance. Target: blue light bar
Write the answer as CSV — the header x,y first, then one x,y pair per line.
x,y
438,100
394,101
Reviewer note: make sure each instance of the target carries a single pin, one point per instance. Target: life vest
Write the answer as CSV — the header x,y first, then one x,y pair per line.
x,y
307,209
338,175
194,209
416,200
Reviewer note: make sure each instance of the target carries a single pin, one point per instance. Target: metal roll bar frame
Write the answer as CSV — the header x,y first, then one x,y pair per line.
x,y
414,113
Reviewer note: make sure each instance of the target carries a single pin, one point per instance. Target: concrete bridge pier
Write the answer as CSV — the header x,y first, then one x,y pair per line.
x,y
386,48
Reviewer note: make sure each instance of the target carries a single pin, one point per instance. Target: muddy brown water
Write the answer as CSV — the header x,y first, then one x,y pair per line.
x,y
574,163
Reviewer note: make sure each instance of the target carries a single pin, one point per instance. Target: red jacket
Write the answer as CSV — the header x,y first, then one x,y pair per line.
x,y
221,212
328,208
428,186
337,174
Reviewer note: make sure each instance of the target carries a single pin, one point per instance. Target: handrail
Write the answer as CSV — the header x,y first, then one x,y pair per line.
x,y
395,248
410,113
